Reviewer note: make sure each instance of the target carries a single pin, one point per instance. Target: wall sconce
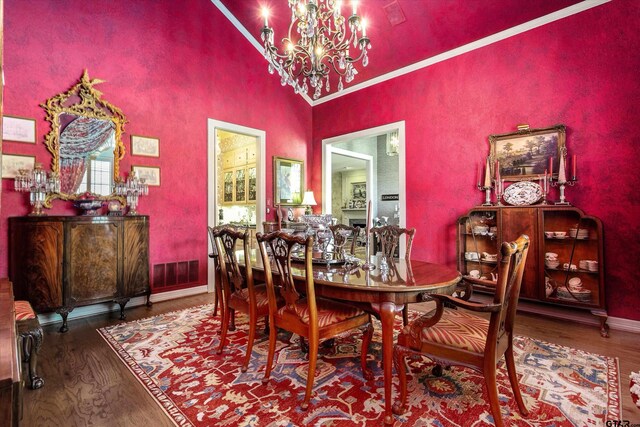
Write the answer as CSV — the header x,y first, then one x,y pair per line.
x,y
393,143
132,189
38,184
308,200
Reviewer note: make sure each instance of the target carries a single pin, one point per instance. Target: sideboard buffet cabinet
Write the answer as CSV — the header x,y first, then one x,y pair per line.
x,y
58,263
565,262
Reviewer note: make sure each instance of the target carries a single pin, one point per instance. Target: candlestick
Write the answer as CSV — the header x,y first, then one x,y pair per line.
x,y
367,262
487,173
561,181
478,169
562,173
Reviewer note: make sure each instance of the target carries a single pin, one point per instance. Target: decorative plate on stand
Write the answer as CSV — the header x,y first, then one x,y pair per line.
x,y
522,193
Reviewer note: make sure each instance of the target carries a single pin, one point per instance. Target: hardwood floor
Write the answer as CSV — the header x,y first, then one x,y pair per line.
x,y
86,384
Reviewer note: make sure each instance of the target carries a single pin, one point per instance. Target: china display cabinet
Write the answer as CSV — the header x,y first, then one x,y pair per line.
x,y
565,262
239,176
58,263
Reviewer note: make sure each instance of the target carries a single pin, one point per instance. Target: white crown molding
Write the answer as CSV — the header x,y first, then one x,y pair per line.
x,y
92,310
502,35
249,37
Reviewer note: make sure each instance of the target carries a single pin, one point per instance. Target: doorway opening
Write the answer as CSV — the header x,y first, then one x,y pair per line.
x,y
235,178
365,166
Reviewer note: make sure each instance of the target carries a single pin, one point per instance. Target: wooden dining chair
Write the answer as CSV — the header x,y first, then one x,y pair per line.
x,y
342,233
311,318
388,239
217,286
239,293
456,337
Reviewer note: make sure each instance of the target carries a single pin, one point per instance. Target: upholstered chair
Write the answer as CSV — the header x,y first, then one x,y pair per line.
x,y
342,234
387,238
452,336
239,293
313,319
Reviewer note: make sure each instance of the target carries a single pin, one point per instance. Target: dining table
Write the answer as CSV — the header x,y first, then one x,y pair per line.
x,y
382,291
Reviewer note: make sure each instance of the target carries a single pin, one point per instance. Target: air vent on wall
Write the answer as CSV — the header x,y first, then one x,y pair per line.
x,y
175,273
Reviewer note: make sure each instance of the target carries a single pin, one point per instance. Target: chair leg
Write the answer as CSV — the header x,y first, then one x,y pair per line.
x,y
492,390
405,315
311,374
224,329
232,325
31,343
272,349
252,335
399,354
366,340
513,379
215,299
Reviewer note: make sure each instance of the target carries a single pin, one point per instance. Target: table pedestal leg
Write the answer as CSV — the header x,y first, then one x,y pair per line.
x,y
387,311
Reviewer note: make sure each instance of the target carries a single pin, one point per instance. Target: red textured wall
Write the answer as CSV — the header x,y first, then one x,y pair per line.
x,y
169,66
581,71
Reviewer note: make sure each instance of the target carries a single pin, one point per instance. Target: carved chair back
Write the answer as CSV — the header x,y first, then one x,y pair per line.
x,y
342,233
388,237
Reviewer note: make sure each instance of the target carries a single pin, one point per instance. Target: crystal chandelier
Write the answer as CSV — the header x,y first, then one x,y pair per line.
x,y
317,42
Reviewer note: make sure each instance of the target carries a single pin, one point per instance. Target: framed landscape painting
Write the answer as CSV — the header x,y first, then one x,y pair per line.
x,y
525,154
12,163
288,180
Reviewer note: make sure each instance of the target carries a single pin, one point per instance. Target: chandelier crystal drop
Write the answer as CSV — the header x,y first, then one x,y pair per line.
x,y
317,43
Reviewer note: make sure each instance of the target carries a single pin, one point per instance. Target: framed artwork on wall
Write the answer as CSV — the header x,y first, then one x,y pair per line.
x,y
525,154
145,146
288,181
151,174
18,129
12,163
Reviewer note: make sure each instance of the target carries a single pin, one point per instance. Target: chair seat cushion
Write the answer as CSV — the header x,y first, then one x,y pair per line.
x,y
329,312
23,310
457,329
262,300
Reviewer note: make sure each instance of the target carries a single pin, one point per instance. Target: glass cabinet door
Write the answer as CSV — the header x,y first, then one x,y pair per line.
x,y
227,193
477,245
240,185
572,258
251,184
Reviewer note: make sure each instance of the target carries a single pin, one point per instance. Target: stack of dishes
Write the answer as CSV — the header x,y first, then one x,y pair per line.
x,y
574,291
582,295
576,233
480,229
489,257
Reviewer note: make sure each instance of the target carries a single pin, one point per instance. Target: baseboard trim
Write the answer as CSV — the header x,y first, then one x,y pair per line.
x,y
92,310
573,315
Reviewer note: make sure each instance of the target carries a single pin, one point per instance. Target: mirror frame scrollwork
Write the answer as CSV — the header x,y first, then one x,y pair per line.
x,y
86,101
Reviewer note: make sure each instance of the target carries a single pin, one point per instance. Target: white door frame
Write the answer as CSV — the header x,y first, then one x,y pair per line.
x,y
327,150
212,178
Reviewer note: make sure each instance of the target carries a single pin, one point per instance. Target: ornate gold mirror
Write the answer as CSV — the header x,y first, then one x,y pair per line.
x,y
85,141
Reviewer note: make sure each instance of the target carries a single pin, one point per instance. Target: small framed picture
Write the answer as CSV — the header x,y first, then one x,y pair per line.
x,y
18,129
12,163
145,146
151,174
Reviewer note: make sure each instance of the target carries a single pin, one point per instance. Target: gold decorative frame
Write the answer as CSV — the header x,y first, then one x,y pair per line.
x,y
288,181
82,100
536,147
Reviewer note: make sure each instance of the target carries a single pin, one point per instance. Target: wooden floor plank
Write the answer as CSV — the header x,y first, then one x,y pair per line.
x,y
87,384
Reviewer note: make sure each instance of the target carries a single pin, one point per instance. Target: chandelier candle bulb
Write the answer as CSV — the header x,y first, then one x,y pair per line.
x,y
354,6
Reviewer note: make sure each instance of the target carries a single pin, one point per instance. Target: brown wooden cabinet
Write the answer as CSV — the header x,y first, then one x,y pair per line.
x,y
58,263
572,276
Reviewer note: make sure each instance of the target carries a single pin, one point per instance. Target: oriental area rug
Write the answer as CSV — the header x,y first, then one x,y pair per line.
x,y
174,356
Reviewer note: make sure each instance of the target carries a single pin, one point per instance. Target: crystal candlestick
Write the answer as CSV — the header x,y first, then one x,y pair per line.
x,y
38,184
132,189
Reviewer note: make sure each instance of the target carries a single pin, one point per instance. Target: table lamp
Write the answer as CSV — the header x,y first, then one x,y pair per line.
x,y
308,200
